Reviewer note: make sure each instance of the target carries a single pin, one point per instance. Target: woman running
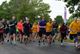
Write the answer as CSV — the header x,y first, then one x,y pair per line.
x,y
34,31
48,31
20,29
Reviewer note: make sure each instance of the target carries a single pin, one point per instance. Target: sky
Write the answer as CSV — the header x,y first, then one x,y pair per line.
x,y
56,7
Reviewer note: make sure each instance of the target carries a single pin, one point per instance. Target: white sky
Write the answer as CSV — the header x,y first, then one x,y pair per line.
x,y
57,8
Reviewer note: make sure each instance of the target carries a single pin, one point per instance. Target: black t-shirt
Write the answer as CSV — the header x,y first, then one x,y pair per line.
x,y
13,23
27,26
55,25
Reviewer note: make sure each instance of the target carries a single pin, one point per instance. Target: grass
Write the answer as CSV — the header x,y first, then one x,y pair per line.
x,y
68,40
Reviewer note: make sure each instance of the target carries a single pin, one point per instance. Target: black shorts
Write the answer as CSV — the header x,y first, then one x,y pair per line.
x,y
27,33
12,31
6,30
48,33
72,36
78,33
63,34
42,31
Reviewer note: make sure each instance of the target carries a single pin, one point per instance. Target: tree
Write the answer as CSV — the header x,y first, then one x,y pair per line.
x,y
59,19
23,8
71,4
70,19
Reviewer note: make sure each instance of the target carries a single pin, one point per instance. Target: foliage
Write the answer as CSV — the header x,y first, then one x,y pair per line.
x,y
59,19
23,8
70,19
71,4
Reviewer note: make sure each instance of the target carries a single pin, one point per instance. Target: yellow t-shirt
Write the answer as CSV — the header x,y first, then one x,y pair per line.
x,y
78,26
73,27
34,28
48,27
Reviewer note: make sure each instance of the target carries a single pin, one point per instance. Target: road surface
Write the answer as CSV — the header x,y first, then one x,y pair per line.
x,y
34,48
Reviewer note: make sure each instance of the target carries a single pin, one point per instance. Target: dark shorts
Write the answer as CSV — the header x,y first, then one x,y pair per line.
x,y
27,33
12,31
72,36
42,31
54,31
7,31
78,33
63,34
48,33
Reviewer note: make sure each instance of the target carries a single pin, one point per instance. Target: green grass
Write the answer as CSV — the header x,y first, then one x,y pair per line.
x,y
68,40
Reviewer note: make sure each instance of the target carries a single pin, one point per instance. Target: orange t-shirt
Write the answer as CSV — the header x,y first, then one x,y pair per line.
x,y
20,26
34,28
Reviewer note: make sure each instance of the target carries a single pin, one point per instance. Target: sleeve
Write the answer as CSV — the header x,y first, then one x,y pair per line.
x,y
70,26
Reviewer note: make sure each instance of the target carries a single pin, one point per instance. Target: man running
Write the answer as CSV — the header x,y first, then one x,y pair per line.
x,y
78,31
7,29
73,31
1,32
12,26
54,30
48,31
42,31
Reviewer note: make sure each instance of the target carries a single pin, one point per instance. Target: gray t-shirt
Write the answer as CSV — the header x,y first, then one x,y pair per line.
x,y
1,25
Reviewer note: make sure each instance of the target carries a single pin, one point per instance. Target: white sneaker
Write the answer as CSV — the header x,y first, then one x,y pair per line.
x,y
76,44
61,43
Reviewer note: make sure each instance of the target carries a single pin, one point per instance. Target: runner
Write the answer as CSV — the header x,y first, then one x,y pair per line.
x,y
1,32
27,28
73,31
20,29
42,31
63,30
7,29
4,23
54,30
78,32
34,31
12,26
48,31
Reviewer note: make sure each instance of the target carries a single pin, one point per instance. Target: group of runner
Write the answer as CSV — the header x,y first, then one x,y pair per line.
x,y
42,31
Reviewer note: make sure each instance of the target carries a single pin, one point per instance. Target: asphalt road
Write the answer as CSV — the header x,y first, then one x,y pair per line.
x,y
34,48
